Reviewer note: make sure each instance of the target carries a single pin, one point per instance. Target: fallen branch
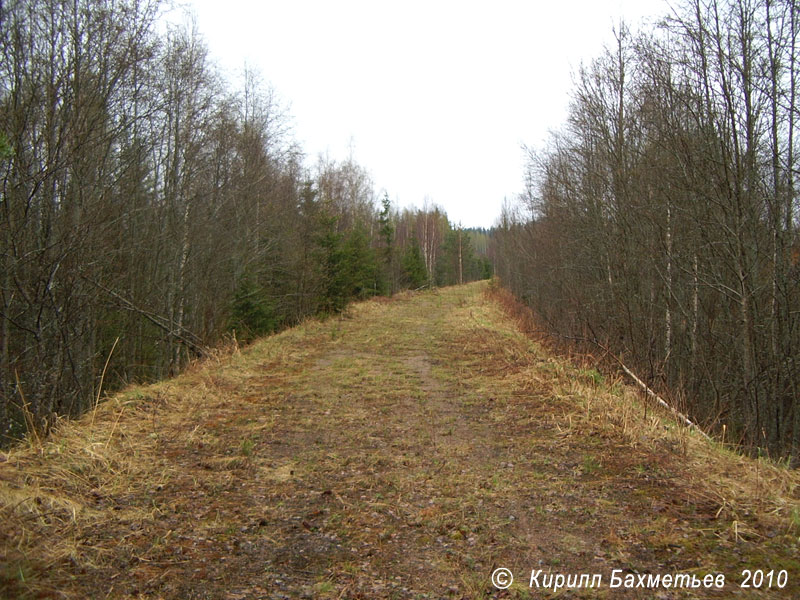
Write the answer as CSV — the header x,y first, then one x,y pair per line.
x,y
660,400
651,394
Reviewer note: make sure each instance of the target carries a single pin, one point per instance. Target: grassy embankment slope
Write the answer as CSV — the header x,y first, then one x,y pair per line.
x,y
404,450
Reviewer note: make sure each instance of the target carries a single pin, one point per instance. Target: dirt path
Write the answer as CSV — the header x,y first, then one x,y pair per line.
x,y
406,450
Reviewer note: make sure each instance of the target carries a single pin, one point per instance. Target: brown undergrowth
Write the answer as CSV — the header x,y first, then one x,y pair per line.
x,y
403,450
736,486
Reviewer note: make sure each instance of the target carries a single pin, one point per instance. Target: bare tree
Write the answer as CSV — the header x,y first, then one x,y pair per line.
x,y
665,216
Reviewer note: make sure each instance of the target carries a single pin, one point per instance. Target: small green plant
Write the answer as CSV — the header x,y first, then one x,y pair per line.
x,y
324,587
590,464
594,376
247,447
796,518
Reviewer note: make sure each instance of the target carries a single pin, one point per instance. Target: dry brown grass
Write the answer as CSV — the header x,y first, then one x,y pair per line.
x,y
739,487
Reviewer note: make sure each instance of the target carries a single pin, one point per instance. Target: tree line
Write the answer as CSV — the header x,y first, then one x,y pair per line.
x,y
149,208
662,220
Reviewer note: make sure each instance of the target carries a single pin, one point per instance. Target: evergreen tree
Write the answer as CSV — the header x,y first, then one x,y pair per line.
x,y
457,262
252,314
361,272
414,271
332,258
387,232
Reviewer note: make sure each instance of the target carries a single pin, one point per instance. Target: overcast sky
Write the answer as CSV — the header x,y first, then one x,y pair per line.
x,y
435,98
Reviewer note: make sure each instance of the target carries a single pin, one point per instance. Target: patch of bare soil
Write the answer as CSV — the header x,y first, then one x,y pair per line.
x,y
406,450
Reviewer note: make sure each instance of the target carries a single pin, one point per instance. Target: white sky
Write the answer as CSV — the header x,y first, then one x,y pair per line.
x,y
436,98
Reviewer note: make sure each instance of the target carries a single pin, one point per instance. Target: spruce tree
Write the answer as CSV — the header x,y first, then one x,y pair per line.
x,y
414,271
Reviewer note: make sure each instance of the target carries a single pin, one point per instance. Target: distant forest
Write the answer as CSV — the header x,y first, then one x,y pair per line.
x,y
661,221
150,210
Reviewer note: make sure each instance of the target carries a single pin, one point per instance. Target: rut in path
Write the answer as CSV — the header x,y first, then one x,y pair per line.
x,y
404,450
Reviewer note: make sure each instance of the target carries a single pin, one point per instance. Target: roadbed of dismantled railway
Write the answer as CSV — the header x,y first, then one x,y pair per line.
x,y
406,449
